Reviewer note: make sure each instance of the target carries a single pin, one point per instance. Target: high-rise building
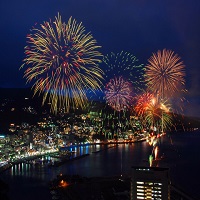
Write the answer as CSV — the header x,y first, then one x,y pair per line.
x,y
150,183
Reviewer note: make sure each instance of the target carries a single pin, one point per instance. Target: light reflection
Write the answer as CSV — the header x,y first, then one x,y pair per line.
x,y
19,166
156,152
12,170
87,149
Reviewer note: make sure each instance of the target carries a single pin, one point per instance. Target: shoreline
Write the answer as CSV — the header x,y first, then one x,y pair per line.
x,y
34,157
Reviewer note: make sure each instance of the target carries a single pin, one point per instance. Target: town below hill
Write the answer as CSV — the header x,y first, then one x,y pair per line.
x,y
19,105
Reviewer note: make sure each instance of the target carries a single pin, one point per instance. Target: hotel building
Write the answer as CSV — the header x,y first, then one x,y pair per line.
x,y
151,183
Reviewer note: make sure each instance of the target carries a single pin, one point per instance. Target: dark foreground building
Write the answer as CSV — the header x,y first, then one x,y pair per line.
x,y
145,183
150,183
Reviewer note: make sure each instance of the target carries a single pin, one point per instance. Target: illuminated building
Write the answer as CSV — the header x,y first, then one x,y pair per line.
x,y
150,183
30,139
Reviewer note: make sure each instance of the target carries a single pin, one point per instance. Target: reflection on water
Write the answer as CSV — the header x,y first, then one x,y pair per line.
x,y
30,181
40,168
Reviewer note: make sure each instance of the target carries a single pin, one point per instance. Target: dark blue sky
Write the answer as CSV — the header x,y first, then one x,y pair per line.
x,y
140,27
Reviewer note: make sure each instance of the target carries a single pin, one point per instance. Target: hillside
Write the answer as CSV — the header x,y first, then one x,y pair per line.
x,y
18,105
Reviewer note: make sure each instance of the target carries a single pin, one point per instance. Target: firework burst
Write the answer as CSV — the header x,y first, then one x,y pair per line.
x,y
118,93
124,64
63,63
157,114
164,73
142,103
152,111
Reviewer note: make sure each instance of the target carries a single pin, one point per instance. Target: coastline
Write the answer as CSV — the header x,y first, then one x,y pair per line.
x,y
34,157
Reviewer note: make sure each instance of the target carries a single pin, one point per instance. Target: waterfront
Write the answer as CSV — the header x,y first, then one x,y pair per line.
x,y
181,151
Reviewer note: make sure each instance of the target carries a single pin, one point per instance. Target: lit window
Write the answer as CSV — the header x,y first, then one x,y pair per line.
x,y
157,188
140,194
143,169
139,190
140,186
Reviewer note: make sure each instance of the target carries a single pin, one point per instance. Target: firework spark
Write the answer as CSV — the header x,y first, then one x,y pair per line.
x,y
124,64
164,74
118,93
63,62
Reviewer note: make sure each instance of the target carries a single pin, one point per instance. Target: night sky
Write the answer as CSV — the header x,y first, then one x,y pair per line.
x,y
140,27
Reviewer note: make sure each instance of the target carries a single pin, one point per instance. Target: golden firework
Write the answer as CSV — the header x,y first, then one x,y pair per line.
x,y
164,73
63,63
